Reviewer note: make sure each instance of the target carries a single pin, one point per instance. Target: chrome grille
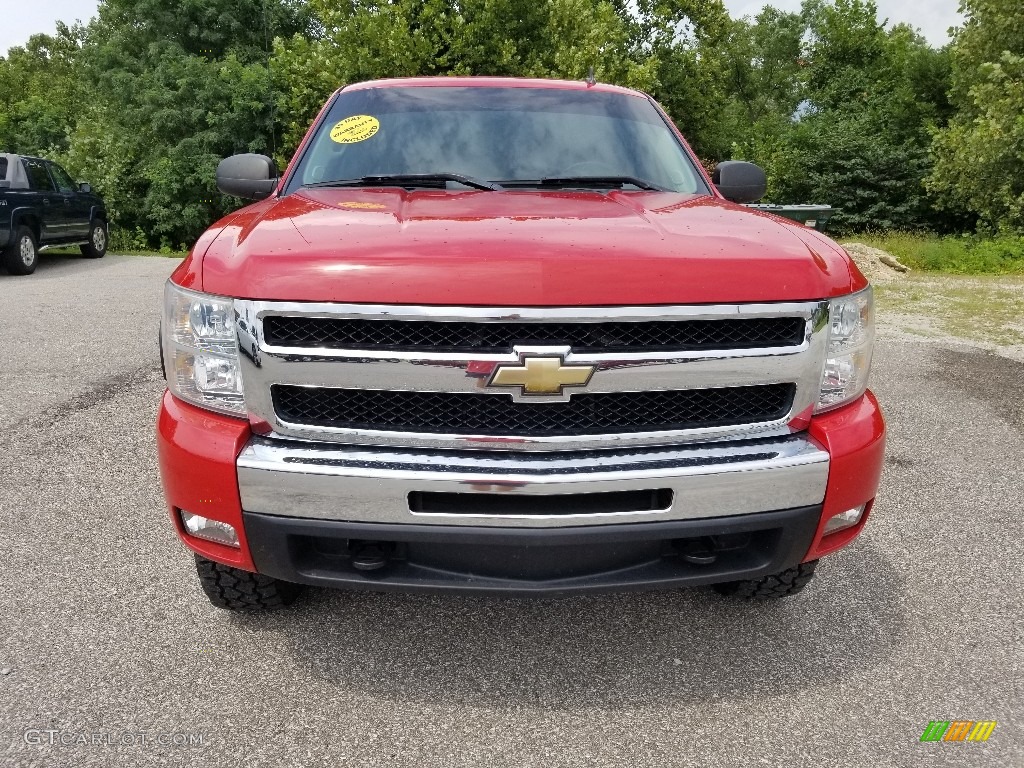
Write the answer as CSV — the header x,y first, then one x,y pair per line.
x,y
354,333
420,377
593,413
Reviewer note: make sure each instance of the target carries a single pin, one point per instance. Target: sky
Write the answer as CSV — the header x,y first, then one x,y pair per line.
x,y
36,16
932,17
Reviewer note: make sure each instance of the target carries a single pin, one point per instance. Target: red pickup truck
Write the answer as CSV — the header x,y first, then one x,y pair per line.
x,y
507,336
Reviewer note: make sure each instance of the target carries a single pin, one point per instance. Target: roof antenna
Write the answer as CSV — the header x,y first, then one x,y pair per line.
x,y
591,80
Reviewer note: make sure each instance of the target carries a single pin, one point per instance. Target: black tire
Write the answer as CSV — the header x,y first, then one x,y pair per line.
x,y
99,237
236,590
22,256
788,582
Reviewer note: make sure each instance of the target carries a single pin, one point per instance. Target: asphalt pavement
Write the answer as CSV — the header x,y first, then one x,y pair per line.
x,y
111,655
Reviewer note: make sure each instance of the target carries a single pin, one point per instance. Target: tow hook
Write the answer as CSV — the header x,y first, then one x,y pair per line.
x,y
698,551
370,555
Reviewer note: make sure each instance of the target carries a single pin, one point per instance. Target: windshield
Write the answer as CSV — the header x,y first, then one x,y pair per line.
x,y
516,137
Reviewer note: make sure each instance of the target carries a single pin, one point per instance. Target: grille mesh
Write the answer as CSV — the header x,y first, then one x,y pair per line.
x,y
585,413
339,333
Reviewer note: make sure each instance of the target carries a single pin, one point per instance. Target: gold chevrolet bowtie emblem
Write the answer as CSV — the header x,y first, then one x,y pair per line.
x,y
541,375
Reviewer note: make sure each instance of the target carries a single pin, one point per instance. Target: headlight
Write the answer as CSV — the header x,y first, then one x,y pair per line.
x,y
201,351
850,338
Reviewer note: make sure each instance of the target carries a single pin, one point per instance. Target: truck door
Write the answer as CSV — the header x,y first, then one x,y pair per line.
x,y
48,201
77,207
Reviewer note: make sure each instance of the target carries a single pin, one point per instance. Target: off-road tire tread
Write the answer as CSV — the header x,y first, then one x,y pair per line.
x,y
788,582
236,590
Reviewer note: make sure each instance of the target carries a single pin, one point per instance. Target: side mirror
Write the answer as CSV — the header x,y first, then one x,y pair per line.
x,y
248,176
740,182
85,187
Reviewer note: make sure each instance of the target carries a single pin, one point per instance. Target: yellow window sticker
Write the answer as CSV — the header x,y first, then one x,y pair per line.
x,y
354,129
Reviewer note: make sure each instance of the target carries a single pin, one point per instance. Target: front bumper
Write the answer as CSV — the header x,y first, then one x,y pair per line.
x,y
532,560
500,522
529,490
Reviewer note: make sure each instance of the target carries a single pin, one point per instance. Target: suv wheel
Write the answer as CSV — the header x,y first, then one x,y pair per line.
x,y
236,590
788,582
22,255
96,248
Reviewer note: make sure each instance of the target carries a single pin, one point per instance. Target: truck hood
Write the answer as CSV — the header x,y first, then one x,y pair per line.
x,y
517,248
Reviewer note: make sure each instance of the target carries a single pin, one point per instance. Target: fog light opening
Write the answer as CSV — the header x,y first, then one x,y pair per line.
x,y
844,520
210,530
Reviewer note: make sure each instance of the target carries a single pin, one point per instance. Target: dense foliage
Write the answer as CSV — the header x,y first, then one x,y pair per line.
x,y
867,101
980,154
145,99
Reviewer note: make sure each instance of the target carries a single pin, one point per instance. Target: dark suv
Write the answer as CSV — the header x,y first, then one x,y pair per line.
x,y
42,207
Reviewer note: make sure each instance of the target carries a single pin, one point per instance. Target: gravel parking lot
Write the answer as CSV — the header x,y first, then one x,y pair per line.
x,y
105,633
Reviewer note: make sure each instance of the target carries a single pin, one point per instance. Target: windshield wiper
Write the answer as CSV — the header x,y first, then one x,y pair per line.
x,y
600,181
410,180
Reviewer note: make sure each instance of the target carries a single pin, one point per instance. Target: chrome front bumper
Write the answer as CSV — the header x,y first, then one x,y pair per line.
x,y
373,485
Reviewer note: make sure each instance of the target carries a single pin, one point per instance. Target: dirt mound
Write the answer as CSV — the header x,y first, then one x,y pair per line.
x,y
877,265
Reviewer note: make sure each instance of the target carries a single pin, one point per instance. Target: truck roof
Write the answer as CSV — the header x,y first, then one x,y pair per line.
x,y
491,82
14,172
9,155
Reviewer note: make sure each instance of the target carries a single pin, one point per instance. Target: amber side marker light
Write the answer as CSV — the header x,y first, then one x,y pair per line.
x,y
211,530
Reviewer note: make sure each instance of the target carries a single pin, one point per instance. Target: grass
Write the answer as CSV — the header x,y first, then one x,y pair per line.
x,y
73,251
126,243
956,255
987,309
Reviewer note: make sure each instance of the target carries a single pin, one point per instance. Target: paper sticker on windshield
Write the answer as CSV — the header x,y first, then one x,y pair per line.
x,y
354,129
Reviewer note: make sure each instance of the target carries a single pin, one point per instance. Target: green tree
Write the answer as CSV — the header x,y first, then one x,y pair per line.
x,y
763,65
369,39
680,42
859,138
764,84
171,89
40,90
979,156
839,160
146,100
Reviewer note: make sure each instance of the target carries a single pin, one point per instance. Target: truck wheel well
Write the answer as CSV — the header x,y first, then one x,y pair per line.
x,y
27,221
